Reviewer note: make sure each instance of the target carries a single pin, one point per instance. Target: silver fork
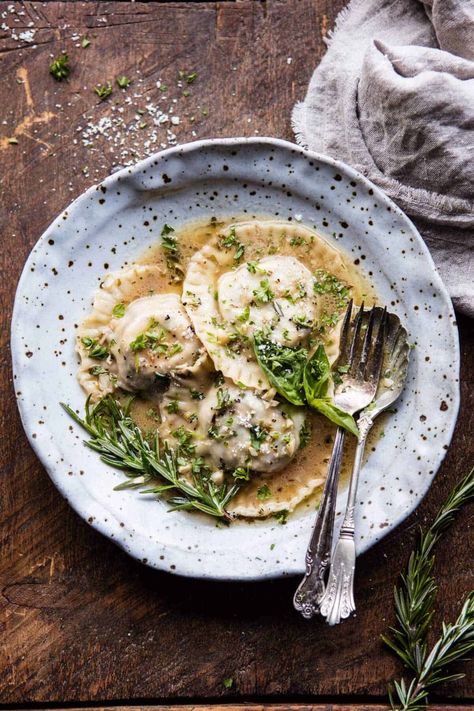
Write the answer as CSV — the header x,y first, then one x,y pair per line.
x,y
361,354
338,600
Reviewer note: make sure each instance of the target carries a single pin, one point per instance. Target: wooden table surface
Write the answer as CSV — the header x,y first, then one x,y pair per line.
x,y
81,623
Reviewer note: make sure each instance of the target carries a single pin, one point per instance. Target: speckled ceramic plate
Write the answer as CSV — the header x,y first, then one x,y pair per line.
x,y
114,222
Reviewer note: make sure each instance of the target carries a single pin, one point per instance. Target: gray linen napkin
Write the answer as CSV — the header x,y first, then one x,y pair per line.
x,y
394,97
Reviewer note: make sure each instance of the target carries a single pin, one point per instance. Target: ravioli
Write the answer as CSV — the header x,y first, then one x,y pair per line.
x,y
98,376
154,339
228,301
274,295
186,351
247,431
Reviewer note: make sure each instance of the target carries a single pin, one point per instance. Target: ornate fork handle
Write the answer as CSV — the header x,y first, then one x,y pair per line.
x,y
312,587
337,602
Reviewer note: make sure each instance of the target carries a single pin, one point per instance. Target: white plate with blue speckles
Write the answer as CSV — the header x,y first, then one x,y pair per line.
x,y
105,227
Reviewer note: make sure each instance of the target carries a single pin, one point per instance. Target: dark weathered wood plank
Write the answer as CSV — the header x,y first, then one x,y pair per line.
x,y
269,707
79,620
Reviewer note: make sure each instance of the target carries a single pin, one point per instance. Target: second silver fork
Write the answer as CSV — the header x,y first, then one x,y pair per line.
x,y
360,361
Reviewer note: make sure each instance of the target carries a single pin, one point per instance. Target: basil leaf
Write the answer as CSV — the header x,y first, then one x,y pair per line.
x,y
283,367
333,413
316,379
317,374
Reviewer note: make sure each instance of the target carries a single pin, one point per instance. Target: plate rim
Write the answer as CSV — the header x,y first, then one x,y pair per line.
x,y
128,171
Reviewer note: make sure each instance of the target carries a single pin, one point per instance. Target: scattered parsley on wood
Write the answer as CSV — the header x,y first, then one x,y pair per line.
x,y
415,599
103,91
85,42
59,67
228,682
123,81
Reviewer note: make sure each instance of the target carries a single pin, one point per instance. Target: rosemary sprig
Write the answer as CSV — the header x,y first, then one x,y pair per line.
x,y
414,605
120,443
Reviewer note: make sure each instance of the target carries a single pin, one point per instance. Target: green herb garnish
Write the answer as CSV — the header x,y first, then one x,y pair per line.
x,y
316,379
173,407
59,68
415,599
224,400
185,439
119,310
264,493
230,240
305,433
120,443
281,516
103,91
283,366
241,473
123,81
245,315
257,436
94,348
263,294
172,251
153,339
97,370
85,42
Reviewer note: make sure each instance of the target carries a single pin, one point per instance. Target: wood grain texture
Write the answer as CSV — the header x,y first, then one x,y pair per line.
x,y
270,707
79,620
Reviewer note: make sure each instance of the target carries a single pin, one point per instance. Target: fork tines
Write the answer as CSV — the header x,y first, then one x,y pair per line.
x,y
364,356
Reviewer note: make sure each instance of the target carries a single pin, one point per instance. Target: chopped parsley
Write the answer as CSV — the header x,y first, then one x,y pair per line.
x,y
103,91
230,240
152,338
281,516
326,283
241,473
119,310
197,395
257,436
175,348
245,315
59,68
173,407
253,268
297,241
264,493
123,81
171,249
85,42
228,682
97,370
224,400
302,321
95,349
305,433
264,294
185,440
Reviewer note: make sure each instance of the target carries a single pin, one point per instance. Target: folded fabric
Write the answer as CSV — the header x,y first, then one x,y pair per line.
x,y
394,97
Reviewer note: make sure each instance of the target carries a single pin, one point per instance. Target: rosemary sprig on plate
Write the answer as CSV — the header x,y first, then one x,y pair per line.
x,y
120,443
414,605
